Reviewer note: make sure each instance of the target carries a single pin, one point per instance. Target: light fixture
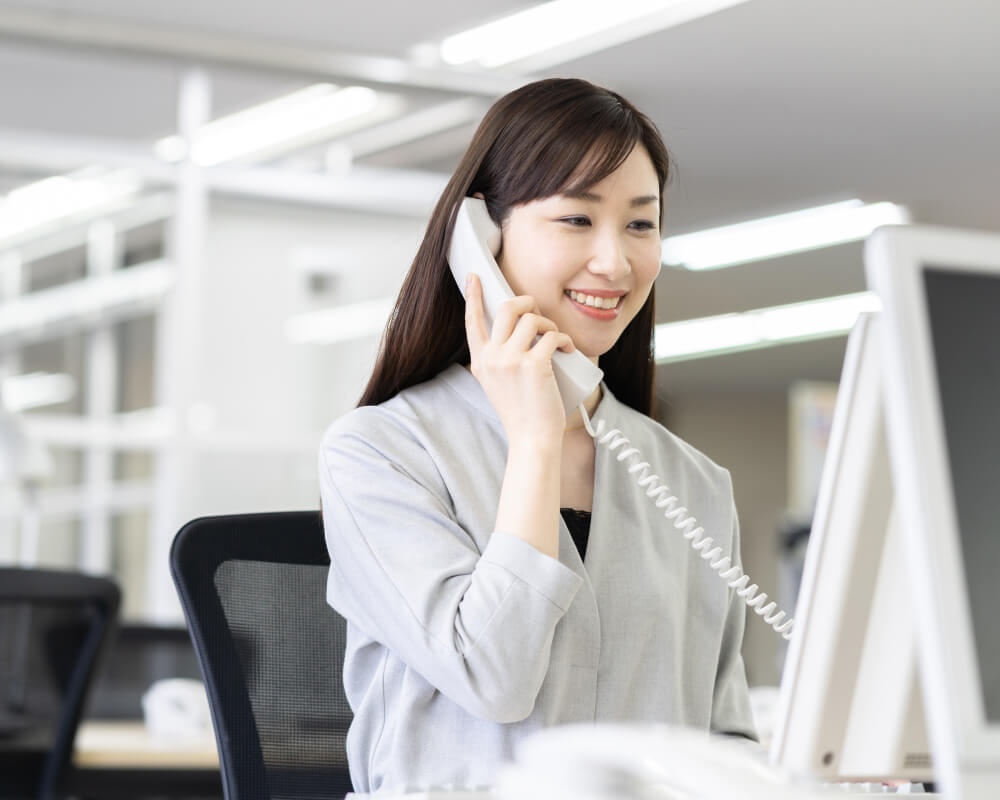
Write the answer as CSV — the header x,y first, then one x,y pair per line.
x,y
403,129
340,324
36,389
555,25
60,197
795,232
292,119
764,327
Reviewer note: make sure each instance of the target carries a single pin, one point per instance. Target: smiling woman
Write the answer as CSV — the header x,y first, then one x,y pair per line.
x,y
496,572
550,140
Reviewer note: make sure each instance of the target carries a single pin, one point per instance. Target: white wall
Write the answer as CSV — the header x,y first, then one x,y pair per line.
x,y
748,434
262,400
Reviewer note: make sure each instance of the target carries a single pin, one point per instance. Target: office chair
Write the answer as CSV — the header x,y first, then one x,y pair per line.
x,y
253,589
54,630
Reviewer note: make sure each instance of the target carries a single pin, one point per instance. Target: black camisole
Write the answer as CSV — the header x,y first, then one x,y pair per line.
x,y
578,523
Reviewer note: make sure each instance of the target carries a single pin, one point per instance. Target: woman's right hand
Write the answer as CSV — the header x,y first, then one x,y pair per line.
x,y
514,370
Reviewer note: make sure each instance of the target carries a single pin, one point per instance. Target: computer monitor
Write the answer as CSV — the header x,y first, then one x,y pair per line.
x,y
849,707
940,292
897,613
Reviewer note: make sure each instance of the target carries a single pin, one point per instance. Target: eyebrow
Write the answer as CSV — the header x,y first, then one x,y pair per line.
x,y
635,202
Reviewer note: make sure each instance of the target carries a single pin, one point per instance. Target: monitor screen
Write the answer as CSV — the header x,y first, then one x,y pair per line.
x,y
964,313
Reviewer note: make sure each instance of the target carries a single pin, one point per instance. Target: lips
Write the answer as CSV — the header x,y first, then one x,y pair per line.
x,y
601,305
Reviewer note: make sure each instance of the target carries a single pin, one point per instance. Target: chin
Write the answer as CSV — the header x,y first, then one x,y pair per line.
x,y
593,349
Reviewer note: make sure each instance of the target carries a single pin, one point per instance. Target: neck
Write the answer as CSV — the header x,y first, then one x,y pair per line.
x,y
575,420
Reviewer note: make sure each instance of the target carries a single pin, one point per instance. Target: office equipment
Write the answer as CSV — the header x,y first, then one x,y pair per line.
x,y
177,708
139,655
906,530
849,706
253,589
475,242
610,762
940,290
54,630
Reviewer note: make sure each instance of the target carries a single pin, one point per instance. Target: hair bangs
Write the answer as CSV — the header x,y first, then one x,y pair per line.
x,y
580,146
604,156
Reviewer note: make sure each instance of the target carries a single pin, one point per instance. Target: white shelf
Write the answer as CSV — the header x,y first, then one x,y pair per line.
x,y
85,303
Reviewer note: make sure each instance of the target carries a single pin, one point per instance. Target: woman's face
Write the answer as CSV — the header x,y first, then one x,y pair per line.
x,y
589,259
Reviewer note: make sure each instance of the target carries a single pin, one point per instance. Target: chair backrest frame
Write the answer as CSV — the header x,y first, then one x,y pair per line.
x,y
198,550
56,587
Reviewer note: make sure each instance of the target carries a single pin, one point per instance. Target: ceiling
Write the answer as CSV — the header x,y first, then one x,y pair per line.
x,y
767,106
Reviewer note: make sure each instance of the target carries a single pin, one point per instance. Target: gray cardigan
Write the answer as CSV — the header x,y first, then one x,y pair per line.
x,y
463,639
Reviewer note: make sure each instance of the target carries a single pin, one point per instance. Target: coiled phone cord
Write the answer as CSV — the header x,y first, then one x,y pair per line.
x,y
659,492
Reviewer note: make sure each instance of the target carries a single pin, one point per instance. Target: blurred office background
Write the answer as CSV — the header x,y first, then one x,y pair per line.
x,y
187,300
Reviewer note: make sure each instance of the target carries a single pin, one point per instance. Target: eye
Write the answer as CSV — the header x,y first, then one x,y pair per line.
x,y
576,221
642,225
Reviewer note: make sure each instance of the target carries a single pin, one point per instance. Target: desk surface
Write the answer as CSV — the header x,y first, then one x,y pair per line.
x,y
128,745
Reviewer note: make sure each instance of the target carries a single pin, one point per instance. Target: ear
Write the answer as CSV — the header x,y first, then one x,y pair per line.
x,y
480,196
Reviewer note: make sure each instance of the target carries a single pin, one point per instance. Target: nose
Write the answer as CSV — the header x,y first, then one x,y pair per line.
x,y
609,257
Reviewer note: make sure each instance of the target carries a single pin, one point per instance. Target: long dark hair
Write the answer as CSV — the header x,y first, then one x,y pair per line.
x,y
548,137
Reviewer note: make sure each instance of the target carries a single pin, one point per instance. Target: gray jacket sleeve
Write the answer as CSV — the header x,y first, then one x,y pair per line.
x,y
476,623
731,711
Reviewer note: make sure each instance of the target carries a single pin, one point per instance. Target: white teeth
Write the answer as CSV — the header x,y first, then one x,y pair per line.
x,y
595,302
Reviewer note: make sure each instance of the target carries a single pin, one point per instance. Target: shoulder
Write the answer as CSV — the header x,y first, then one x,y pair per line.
x,y
407,427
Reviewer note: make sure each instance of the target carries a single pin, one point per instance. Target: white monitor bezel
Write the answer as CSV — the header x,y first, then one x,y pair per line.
x,y
895,259
849,702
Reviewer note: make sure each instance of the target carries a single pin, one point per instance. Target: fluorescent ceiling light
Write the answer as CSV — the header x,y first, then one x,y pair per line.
x,y
402,130
35,390
813,319
291,120
796,232
62,197
555,25
340,324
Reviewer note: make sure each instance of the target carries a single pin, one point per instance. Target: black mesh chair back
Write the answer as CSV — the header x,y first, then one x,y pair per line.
x,y
139,655
54,630
253,588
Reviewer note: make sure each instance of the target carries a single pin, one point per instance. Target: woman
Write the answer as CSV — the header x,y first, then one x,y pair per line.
x,y
477,611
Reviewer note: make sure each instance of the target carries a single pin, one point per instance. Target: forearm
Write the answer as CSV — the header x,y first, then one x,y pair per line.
x,y
529,497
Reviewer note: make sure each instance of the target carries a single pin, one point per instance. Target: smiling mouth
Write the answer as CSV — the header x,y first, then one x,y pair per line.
x,y
604,303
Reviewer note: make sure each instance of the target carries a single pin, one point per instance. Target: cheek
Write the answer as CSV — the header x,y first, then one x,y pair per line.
x,y
537,266
646,265
646,268
518,259
510,264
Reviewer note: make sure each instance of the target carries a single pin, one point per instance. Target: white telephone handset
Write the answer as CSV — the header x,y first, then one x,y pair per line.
x,y
475,243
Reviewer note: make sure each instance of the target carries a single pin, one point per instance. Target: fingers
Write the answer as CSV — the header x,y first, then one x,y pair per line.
x,y
528,327
549,343
531,329
475,317
518,324
508,314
